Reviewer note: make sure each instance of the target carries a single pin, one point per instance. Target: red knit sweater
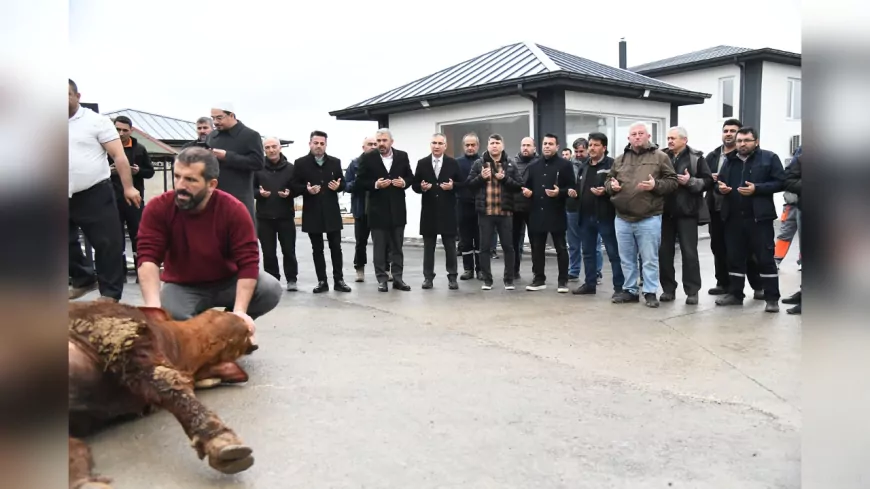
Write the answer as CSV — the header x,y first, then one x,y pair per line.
x,y
216,244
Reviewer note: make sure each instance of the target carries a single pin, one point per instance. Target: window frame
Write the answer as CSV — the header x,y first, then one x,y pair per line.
x,y
790,99
721,107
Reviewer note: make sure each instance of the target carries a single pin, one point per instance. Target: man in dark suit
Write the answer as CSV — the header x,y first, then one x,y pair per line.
x,y
318,179
436,178
387,174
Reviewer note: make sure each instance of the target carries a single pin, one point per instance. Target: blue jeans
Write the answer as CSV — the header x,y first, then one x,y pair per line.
x,y
593,231
645,237
575,259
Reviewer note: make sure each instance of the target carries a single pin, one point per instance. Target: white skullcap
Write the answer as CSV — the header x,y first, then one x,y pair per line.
x,y
227,106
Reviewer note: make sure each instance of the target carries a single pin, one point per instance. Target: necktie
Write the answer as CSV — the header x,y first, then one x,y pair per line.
x,y
437,168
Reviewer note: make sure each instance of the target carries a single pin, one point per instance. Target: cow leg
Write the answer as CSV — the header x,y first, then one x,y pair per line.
x,y
81,468
173,391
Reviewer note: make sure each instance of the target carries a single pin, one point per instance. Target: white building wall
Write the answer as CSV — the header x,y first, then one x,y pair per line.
x,y
622,109
704,121
776,128
412,132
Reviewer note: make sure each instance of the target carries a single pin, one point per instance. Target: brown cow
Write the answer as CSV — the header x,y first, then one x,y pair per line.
x,y
126,361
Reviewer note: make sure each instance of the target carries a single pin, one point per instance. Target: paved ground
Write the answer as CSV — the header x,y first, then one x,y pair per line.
x,y
495,389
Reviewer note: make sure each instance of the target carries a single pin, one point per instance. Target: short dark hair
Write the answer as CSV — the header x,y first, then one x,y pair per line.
x,y
580,142
497,137
195,154
74,86
123,119
551,135
749,130
317,133
733,122
598,136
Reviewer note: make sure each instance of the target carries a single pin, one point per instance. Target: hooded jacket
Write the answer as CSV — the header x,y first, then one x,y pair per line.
x,y
274,178
631,168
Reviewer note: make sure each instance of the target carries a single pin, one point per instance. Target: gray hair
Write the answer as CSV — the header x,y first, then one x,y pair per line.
x,y
471,135
639,124
384,130
681,131
272,139
439,134
205,120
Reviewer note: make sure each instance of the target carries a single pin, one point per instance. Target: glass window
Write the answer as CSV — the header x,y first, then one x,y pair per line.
x,y
581,125
726,96
621,139
512,128
794,99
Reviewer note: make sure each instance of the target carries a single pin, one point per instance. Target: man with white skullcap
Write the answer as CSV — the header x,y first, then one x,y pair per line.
x,y
239,150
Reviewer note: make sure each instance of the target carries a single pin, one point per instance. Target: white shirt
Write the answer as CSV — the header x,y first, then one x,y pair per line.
x,y
435,162
388,162
88,161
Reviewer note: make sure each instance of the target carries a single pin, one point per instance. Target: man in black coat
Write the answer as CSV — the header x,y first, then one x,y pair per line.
x,y
748,180
276,213
387,174
437,177
239,150
141,168
547,183
684,211
527,155
319,179
469,230
495,180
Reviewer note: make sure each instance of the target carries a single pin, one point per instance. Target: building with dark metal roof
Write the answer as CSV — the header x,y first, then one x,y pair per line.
x,y
713,57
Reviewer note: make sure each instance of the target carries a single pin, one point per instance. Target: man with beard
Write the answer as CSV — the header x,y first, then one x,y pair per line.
x,y
204,127
276,213
205,239
469,230
361,228
318,179
527,155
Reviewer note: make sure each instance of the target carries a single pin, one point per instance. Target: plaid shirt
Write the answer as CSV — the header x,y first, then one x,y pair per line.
x,y
494,190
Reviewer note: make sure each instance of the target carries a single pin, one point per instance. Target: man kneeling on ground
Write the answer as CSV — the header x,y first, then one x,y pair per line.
x,y
206,241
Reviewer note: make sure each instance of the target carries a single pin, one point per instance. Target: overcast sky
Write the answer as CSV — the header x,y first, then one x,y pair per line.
x,y
285,65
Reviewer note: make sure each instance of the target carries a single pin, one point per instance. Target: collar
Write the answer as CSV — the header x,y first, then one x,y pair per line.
x,y
235,130
488,157
130,143
80,112
592,162
440,158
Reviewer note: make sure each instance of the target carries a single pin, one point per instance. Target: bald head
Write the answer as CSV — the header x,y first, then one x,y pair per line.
x,y
369,143
272,147
527,147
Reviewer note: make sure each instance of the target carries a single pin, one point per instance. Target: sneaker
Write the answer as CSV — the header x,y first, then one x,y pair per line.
x,y
794,310
291,286
360,275
584,290
729,300
467,275
668,297
486,286
651,300
771,306
562,289
692,300
625,297
599,279
509,285
717,290
536,285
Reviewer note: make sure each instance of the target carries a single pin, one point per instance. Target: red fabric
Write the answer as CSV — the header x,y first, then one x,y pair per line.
x,y
214,245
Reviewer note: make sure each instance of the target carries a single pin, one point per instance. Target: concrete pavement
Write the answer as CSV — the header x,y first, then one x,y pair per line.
x,y
496,389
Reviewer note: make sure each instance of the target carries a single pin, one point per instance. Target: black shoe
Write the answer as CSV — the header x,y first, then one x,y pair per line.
x,y
400,285
794,310
794,299
616,293
771,306
729,300
427,284
382,287
758,295
467,275
668,297
340,286
624,297
717,290
453,285
509,285
651,300
583,290
536,285
322,286
692,300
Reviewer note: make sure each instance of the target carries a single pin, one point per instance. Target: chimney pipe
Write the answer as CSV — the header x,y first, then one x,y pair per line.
x,y
622,54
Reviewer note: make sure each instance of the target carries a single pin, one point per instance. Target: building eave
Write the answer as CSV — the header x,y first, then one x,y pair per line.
x,y
766,54
558,79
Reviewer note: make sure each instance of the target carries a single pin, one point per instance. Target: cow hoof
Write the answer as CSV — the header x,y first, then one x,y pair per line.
x,y
252,349
232,459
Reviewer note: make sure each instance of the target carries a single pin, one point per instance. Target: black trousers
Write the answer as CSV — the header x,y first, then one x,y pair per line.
x,y
361,233
94,211
520,223
469,236
687,228
448,241
539,257
271,232
746,237
720,256
334,239
131,217
501,225
388,241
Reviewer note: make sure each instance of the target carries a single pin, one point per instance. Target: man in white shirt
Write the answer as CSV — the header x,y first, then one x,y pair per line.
x,y
92,138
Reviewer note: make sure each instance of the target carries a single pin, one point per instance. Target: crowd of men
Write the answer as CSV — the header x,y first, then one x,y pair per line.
x,y
233,195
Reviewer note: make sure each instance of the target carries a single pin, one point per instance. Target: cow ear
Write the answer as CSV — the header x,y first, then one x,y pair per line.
x,y
155,313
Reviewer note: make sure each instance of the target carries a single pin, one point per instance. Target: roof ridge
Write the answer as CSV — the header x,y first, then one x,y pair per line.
x,y
153,114
543,57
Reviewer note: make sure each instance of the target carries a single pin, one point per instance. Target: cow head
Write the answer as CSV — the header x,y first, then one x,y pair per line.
x,y
212,342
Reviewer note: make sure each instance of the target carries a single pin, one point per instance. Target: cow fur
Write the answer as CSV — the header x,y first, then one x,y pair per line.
x,y
126,361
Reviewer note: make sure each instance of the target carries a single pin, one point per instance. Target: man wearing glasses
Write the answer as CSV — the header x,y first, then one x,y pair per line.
x,y
748,179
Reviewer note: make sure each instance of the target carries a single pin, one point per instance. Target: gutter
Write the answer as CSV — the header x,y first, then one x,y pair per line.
x,y
742,67
535,112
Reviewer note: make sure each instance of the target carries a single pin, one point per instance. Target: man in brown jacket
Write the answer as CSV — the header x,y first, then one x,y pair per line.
x,y
637,184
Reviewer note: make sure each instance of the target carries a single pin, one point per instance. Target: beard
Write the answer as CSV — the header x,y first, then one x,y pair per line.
x,y
193,200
